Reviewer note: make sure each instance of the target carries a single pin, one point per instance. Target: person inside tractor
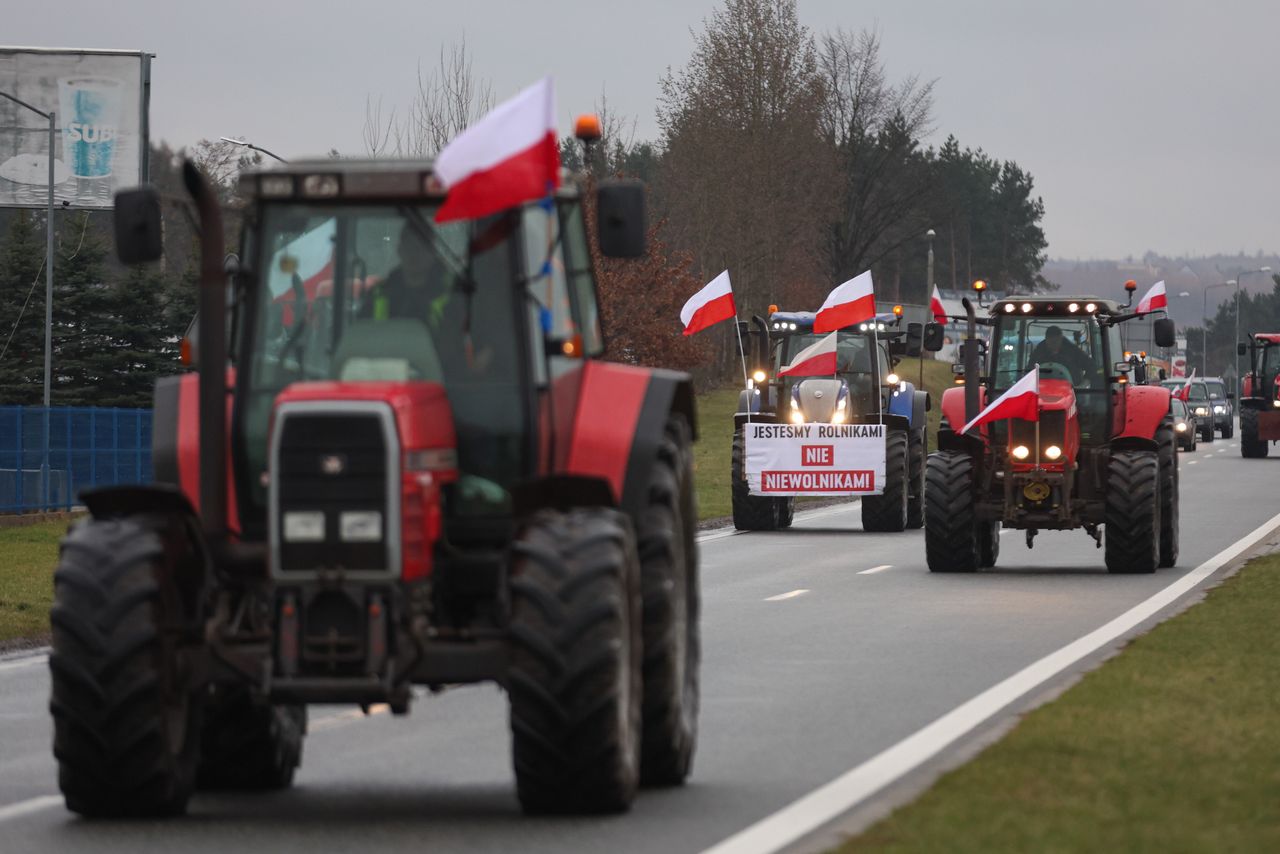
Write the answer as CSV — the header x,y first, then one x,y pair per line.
x,y
1055,349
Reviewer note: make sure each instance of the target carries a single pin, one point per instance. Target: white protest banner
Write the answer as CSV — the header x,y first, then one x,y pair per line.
x,y
815,459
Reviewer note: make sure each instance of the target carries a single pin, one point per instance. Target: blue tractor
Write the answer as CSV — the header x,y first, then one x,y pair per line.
x,y
864,390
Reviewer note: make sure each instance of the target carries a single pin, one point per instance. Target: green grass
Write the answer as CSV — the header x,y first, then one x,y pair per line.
x,y
711,453
27,557
937,379
1172,746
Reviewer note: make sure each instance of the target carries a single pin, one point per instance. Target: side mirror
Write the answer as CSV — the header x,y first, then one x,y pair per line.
x,y
620,225
139,235
1164,332
915,339
1242,349
934,337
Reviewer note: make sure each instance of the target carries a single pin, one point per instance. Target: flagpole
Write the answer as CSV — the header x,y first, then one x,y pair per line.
x,y
875,342
741,351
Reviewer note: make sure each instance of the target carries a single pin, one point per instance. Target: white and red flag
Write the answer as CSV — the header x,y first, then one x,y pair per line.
x,y
935,305
816,360
1154,299
1022,400
509,157
709,306
850,303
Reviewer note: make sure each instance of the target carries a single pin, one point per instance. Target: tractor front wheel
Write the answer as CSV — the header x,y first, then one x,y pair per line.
x,y
574,678
888,510
248,743
1133,512
750,512
951,542
917,454
672,644
1250,445
126,714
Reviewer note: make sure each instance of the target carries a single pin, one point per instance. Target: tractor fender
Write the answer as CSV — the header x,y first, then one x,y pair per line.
x,y
618,427
752,406
175,441
897,422
111,501
949,437
920,404
1139,412
902,402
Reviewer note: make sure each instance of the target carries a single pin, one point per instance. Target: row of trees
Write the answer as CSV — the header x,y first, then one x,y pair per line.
x,y
1258,313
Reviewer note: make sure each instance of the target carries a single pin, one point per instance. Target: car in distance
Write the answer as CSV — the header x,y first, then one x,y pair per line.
x,y
1222,403
1184,425
1195,394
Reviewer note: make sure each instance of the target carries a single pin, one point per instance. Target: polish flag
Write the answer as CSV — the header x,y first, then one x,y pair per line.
x,y
509,157
1154,299
850,303
816,360
1022,400
709,306
935,305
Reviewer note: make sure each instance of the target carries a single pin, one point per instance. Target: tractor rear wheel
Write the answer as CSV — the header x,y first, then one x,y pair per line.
x,y
1133,512
786,511
574,677
951,541
988,544
1250,445
126,714
672,644
248,743
917,454
750,512
888,510
1168,454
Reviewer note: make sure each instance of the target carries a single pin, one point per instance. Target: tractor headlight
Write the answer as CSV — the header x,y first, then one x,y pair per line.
x,y
797,417
1276,404
892,379
1073,307
795,404
1052,452
1219,410
1181,426
1090,307
1200,410
838,418
759,376
1020,452
842,403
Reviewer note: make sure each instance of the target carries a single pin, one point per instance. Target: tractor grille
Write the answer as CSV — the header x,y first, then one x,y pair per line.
x,y
334,495
1053,424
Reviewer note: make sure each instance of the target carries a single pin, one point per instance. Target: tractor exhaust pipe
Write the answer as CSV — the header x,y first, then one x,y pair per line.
x,y
972,364
213,356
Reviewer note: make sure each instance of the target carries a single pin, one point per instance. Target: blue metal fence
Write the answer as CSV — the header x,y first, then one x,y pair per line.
x,y
87,446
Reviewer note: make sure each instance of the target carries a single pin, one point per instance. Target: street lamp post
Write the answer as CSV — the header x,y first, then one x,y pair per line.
x,y
48,294
1204,326
928,291
252,147
1234,344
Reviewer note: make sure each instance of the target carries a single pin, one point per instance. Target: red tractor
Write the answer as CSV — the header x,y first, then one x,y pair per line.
x,y
1103,453
1260,394
419,474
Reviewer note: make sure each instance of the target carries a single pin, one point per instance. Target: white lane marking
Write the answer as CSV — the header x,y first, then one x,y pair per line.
x,y
873,570
24,662
781,597
1192,462
29,806
835,798
802,516
341,718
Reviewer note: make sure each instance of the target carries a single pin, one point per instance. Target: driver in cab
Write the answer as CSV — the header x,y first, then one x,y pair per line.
x,y
1056,348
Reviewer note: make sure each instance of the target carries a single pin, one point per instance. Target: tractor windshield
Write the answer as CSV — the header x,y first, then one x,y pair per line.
x,y
853,358
380,292
1069,349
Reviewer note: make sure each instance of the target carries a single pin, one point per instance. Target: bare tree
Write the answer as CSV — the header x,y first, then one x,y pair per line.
x,y
448,100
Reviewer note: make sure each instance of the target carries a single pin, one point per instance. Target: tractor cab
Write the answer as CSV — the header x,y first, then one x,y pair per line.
x,y
1260,394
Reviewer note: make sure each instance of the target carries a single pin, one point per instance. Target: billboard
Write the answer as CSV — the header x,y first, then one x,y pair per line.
x,y
99,99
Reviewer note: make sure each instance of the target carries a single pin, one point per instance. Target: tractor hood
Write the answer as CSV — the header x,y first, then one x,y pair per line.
x,y
1057,395
820,399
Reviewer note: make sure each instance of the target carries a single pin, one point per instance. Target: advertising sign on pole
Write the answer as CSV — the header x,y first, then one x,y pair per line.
x,y
100,102
815,459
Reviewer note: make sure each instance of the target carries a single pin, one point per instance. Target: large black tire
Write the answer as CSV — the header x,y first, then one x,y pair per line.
x,y
248,743
575,662
1250,445
750,512
950,529
1132,543
786,511
888,510
672,644
126,716
988,544
1167,450
917,454
1206,429
1228,429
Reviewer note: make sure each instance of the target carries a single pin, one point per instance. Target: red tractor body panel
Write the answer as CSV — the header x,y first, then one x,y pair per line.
x,y
610,401
1139,410
953,409
176,440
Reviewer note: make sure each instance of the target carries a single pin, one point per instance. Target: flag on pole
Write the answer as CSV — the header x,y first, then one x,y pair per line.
x,y
816,360
1154,299
1022,400
850,303
935,305
509,157
709,306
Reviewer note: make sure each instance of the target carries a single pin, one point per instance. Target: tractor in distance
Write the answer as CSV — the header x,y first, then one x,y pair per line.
x,y
1260,394
865,390
1102,455
400,464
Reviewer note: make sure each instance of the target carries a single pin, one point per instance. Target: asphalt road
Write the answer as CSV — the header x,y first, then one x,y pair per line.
x,y
823,646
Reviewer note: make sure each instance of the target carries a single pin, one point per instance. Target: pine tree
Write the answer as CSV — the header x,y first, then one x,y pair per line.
x,y
22,309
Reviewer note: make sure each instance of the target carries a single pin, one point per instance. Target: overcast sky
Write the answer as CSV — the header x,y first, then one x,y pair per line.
x,y
1147,125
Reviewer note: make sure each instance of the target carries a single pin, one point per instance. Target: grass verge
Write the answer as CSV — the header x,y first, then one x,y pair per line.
x,y
27,557
712,452
1171,746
